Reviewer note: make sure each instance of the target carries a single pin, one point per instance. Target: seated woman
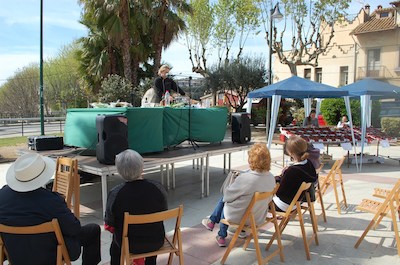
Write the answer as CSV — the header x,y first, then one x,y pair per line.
x,y
291,178
136,196
343,123
238,195
311,120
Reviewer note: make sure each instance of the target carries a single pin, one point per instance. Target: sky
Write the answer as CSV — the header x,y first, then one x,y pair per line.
x,y
20,35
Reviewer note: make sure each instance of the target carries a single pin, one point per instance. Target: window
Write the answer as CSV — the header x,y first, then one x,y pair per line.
x,y
344,75
318,75
384,14
307,73
373,62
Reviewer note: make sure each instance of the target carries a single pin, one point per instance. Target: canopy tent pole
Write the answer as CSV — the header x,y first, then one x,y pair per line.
x,y
364,113
307,106
276,100
318,108
369,112
249,105
348,109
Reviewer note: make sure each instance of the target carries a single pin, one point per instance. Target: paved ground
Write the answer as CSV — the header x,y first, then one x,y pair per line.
x,y
336,237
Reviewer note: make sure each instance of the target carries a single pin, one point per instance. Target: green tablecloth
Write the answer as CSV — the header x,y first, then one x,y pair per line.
x,y
149,129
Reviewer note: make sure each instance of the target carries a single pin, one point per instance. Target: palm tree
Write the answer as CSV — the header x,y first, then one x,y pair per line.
x,y
166,24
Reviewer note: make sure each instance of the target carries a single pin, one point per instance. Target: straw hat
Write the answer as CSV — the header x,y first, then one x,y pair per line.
x,y
30,172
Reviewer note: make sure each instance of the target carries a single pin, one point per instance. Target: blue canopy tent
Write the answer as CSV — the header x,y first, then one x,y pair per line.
x,y
300,88
368,89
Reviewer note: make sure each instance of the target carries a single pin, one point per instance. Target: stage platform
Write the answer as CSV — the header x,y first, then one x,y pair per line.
x,y
199,153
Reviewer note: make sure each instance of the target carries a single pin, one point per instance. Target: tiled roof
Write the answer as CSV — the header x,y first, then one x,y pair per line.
x,y
376,24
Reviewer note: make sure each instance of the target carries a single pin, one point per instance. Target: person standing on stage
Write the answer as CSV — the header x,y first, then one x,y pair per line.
x,y
163,83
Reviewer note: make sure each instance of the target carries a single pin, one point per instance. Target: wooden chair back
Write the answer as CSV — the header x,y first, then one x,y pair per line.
x,y
296,211
388,208
173,246
321,166
333,179
248,224
67,182
318,192
48,227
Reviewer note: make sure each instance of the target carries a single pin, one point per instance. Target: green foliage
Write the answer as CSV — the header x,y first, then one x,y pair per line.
x,y
19,96
238,77
376,110
124,35
258,115
114,88
62,81
391,126
299,116
198,33
334,108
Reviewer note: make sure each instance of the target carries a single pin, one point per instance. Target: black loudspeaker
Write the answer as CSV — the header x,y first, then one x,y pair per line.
x,y
241,128
42,143
112,135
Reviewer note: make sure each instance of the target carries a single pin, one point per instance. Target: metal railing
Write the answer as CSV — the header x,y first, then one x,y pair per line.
x,y
377,72
12,127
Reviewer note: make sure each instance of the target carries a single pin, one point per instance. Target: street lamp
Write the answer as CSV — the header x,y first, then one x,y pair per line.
x,y
275,15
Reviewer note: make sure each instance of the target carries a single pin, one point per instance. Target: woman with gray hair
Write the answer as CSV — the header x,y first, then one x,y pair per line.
x,y
136,196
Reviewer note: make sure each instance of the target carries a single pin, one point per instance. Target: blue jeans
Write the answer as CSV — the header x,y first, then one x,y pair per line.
x,y
216,217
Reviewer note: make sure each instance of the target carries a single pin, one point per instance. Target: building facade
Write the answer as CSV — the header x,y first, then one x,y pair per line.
x,y
368,46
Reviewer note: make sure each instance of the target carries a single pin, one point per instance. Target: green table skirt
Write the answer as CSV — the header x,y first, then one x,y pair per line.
x,y
149,129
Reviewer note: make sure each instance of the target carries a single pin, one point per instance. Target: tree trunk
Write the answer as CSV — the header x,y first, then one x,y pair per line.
x,y
159,40
126,41
158,45
293,68
135,69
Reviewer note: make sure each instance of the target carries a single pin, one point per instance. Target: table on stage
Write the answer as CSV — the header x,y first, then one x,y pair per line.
x,y
149,129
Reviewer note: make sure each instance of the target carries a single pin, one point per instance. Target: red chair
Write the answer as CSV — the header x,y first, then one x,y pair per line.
x,y
321,121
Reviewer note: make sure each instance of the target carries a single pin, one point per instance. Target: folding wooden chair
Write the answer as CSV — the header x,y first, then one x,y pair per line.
x,y
171,247
318,192
334,178
67,182
248,224
387,208
49,227
298,213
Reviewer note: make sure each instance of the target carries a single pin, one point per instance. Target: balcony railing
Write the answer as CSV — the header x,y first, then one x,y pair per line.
x,y
380,72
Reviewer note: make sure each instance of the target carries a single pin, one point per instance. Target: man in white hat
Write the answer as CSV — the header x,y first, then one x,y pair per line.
x,y
25,202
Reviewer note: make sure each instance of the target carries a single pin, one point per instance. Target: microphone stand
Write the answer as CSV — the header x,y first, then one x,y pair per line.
x,y
194,145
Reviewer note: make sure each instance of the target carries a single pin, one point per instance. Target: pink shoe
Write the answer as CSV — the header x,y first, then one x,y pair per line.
x,y
208,224
221,241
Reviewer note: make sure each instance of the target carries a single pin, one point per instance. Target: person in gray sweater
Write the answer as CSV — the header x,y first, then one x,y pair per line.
x,y
237,196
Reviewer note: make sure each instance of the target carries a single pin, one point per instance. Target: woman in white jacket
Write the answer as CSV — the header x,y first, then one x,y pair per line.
x,y
237,196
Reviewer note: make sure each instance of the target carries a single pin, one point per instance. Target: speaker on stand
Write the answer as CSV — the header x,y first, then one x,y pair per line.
x,y
112,135
241,132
